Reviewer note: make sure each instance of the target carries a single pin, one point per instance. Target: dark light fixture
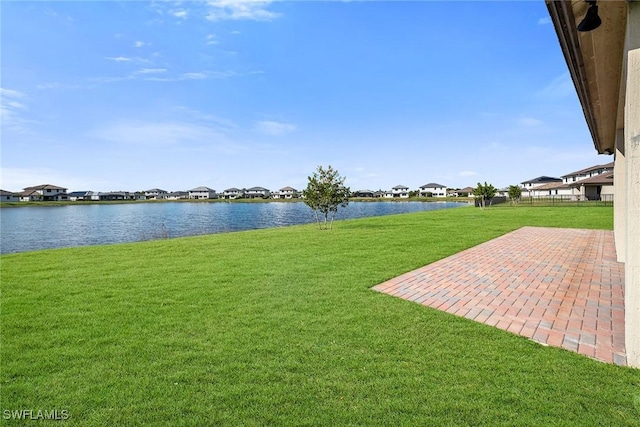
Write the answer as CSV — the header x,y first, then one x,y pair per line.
x,y
591,20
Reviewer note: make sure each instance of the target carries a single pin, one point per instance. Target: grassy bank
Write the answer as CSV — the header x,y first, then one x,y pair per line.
x,y
280,327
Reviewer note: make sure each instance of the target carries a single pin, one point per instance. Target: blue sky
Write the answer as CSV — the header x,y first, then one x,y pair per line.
x,y
133,95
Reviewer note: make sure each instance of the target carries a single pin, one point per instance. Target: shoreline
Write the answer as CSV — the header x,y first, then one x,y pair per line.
x,y
122,202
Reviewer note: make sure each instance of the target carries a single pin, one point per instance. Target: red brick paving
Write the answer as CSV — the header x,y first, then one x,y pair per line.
x,y
559,287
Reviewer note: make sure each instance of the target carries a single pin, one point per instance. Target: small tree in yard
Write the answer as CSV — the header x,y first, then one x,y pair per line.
x,y
324,193
514,193
484,192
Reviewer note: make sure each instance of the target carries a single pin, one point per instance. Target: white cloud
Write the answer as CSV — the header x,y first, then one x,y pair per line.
x,y
140,44
544,21
177,134
270,127
189,76
220,122
559,87
9,93
254,10
14,104
119,59
180,13
529,122
151,71
194,76
211,39
11,111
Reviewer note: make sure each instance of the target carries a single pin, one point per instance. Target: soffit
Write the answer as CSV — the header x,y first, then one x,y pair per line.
x,y
595,61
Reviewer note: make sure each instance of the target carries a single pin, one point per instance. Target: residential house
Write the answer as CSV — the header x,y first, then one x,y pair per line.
x,y
527,186
233,193
587,173
75,196
462,192
8,196
203,193
569,184
116,195
30,196
257,193
597,187
364,193
550,189
541,180
286,193
178,195
604,66
399,191
156,194
45,192
433,190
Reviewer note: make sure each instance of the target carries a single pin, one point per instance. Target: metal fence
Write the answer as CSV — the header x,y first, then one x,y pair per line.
x,y
602,200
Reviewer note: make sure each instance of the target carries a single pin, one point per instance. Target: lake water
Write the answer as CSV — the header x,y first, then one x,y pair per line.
x,y
34,227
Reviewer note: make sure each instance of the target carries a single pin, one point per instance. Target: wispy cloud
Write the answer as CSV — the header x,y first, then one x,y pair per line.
x,y
254,10
194,76
118,58
211,39
544,21
180,13
176,134
151,71
10,93
11,109
270,127
219,122
529,121
153,75
559,87
140,44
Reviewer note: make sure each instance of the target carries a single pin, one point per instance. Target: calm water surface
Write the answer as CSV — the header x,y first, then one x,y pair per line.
x,y
32,228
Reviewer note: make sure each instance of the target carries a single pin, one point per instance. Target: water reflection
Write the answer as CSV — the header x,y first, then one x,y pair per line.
x,y
31,228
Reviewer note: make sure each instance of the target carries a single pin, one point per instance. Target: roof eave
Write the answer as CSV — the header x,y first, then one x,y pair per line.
x,y
594,60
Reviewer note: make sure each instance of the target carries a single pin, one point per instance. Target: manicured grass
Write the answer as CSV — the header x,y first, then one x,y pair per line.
x,y
280,327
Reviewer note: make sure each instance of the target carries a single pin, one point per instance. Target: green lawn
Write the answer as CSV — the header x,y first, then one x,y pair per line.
x,y
280,327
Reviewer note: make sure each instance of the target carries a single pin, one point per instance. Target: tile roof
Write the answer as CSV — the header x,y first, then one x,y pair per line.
x,y
44,187
550,186
590,169
601,179
541,179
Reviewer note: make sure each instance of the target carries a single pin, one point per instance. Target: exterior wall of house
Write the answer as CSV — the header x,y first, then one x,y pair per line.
x,y
400,192
632,207
232,194
551,192
619,200
435,191
156,194
438,191
608,190
202,195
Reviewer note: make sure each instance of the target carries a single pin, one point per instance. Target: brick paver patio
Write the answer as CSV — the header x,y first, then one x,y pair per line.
x,y
559,287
